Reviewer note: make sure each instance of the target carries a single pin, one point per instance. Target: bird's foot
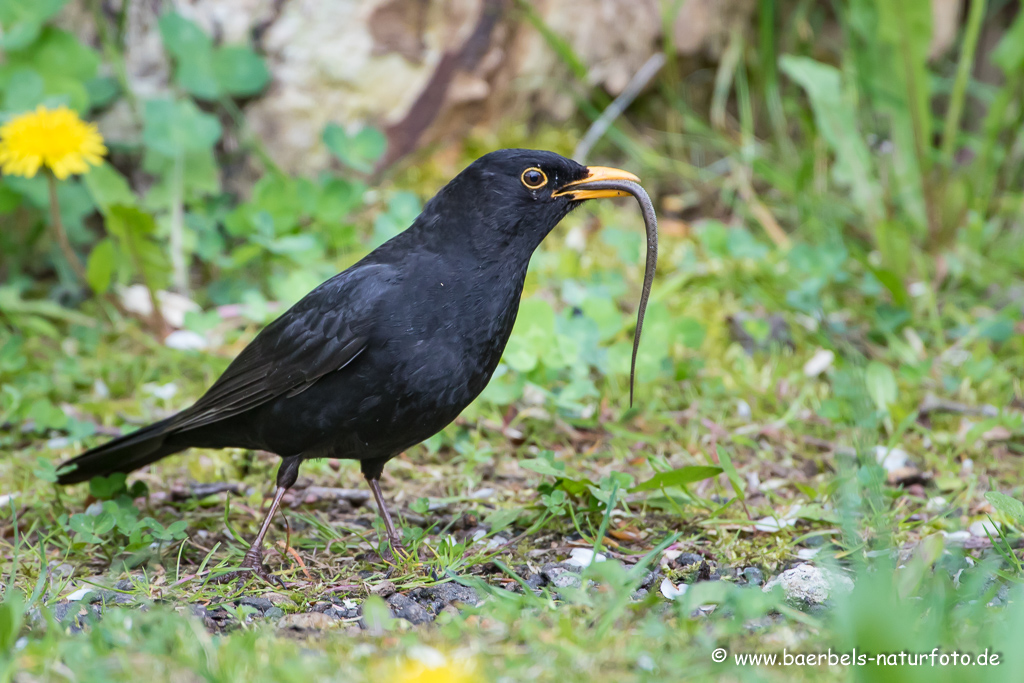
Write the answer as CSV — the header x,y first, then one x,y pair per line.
x,y
393,554
252,565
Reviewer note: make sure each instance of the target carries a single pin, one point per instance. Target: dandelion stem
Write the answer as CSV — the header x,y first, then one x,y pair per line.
x,y
62,236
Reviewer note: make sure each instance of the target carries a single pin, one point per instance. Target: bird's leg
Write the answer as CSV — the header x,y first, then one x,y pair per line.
x,y
394,539
253,559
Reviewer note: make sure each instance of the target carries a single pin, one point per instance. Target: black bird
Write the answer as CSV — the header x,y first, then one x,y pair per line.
x,y
387,352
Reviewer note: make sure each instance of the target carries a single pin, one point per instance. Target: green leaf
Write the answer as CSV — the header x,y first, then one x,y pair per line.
x,y
501,518
1012,508
544,466
107,488
173,127
678,477
102,90
183,38
240,71
135,229
12,614
836,119
108,187
738,485
24,90
63,63
881,384
196,76
360,151
100,268
893,283
1008,54
23,21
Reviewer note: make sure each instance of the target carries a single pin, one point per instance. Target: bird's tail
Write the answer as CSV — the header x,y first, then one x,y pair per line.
x,y
123,454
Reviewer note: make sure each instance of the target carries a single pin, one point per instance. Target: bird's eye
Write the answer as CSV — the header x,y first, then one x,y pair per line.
x,y
534,178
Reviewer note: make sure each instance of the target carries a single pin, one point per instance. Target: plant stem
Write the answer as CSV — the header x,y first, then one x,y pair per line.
x,y
963,73
178,263
62,237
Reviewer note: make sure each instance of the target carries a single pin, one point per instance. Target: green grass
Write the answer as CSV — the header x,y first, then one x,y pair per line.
x,y
701,398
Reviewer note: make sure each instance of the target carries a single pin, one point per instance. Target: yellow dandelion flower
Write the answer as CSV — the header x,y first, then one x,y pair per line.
x,y
430,666
55,138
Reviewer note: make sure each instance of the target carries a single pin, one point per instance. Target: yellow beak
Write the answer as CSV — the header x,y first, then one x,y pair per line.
x,y
595,174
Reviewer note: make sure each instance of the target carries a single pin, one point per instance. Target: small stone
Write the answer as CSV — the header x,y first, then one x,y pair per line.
x,y
957,538
584,557
566,580
274,613
306,621
562,575
186,340
810,588
892,459
450,592
384,589
260,604
130,584
404,607
79,594
687,559
279,600
753,575
820,362
984,529
109,597
650,578
638,594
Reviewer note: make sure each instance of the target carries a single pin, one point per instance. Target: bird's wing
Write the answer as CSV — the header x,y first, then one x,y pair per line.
x,y
322,333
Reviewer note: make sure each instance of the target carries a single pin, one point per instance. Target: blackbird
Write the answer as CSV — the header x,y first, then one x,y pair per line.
x,y
391,350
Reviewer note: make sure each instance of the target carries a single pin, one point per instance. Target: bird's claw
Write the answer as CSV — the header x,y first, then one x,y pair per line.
x,y
252,565
394,553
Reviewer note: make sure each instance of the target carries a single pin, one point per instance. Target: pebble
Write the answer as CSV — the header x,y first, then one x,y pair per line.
x,y
562,574
261,604
753,575
978,529
404,607
452,592
810,588
957,538
279,600
892,459
584,557
820,362
306,621
687,559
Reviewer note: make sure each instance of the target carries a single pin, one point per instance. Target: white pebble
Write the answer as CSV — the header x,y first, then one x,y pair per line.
x,y
891,459
979,528
820,362
78,594
584,557
186,340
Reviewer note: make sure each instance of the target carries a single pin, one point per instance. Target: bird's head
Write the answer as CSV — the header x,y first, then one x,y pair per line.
x,y
517,196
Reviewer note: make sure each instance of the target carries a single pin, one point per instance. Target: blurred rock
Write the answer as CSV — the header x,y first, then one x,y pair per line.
x,y
404,607
810,588
306,621
421,70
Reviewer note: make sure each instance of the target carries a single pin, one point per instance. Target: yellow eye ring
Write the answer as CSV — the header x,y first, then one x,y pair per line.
x,y
530,178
